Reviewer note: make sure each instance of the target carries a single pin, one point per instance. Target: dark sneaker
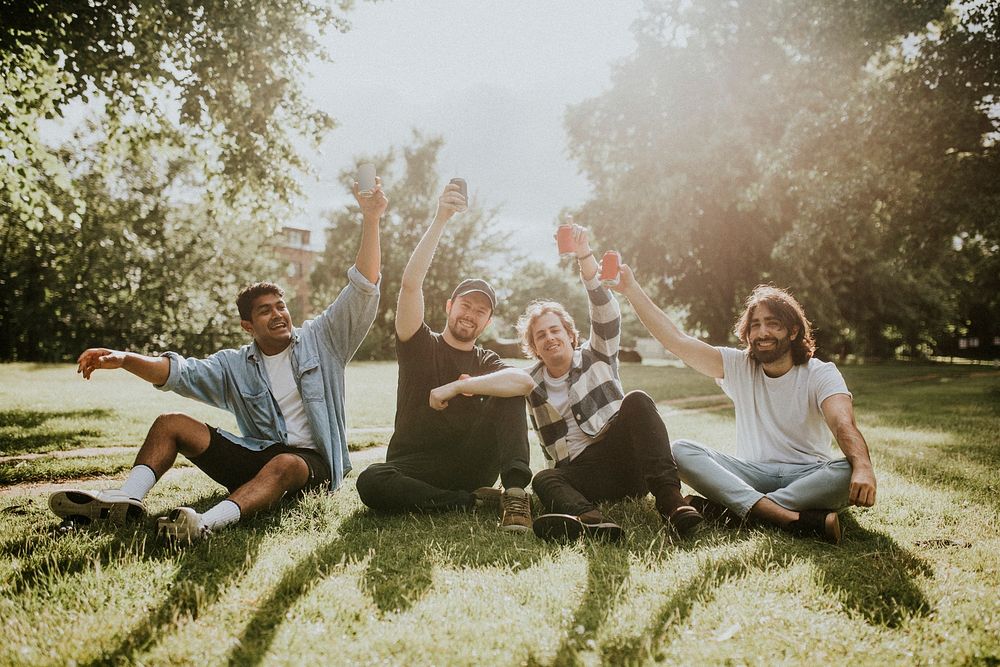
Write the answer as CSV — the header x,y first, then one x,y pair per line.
x,y
712,511
603,530
182,526
823,524
487,498
686,520
516,506
558,527
84,507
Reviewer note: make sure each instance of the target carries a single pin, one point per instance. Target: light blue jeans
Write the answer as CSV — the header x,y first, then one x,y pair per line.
x,y
740,484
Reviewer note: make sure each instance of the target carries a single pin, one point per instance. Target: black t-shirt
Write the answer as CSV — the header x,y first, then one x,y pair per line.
x,y
426,361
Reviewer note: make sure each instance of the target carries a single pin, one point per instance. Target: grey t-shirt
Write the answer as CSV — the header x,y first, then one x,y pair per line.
x,y
779,420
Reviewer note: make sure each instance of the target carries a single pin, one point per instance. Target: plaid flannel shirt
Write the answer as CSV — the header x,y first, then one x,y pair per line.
x,y
595,390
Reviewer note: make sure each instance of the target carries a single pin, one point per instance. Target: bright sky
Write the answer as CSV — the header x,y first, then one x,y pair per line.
x,y
492,78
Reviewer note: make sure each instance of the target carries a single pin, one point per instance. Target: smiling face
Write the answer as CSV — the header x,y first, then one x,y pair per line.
x,y
768,337
270,323
552,343
468,316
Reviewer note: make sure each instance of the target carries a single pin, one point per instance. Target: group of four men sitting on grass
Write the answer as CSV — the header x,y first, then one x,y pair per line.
x,y
460,420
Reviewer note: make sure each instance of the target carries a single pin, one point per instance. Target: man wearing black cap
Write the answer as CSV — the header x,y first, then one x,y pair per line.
x,y
451,459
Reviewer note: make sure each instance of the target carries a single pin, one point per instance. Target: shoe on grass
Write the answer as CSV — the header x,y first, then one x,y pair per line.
x,y
84,507
686,520
487,498
558,527
181,526
516,506
597,527
823,524
713,511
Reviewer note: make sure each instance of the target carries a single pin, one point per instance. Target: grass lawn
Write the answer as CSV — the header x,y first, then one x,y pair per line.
x,y
323,581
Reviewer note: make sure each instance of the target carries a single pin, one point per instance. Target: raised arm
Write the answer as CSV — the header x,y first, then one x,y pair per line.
x,y
839,413
697,354
150,369
410,307
504,383
369,260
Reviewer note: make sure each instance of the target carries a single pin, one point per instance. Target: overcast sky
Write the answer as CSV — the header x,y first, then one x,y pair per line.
x,y
492,78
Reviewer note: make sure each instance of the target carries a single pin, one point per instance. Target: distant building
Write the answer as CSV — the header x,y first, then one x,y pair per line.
x,y
293,246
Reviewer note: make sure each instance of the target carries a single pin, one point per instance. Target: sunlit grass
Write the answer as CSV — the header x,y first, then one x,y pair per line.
x,y
324,581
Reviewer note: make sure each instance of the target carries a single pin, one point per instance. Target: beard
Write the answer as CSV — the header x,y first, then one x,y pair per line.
x,y
460,332
781,347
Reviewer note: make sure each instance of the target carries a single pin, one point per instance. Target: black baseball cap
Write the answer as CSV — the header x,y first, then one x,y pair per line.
x,y
470,285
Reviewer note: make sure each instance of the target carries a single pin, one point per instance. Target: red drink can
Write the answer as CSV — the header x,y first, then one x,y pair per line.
x,y
611,268
564,239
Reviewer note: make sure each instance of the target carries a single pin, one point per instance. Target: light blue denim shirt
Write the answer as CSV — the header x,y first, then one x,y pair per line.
x,y
235,380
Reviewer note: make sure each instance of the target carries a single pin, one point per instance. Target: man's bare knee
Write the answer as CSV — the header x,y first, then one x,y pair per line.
x,y
290,469
190,436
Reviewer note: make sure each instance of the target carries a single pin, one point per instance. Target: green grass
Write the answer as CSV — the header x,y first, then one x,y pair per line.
x,y
323,580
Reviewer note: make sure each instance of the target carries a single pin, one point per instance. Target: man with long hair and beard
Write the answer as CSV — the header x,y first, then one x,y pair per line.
x,y
785,471
440,461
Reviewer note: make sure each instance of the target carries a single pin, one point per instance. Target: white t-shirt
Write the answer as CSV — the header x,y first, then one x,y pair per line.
x,y
779,420
558,391
286,393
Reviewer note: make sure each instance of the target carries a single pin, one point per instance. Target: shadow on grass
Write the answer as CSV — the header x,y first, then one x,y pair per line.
x,y
869,573
24,431
203,571
398,574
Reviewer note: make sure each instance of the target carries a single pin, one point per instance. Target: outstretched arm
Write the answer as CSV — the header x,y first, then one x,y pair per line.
x,y
697,354
839,413
504,383
369,260
410,307
150,369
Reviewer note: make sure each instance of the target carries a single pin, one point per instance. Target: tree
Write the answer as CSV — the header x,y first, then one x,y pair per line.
x,y
735,142
144,267
469,246
227,74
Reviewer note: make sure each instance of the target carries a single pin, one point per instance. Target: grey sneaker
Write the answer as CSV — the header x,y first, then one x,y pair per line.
x,y
558,527
111,506
182,526
516,505
599,528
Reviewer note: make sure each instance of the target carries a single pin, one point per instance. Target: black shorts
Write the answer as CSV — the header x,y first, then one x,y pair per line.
x,y
233,465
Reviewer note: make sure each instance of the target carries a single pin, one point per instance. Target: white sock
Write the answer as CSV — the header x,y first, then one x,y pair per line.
x,y
221,515
140,480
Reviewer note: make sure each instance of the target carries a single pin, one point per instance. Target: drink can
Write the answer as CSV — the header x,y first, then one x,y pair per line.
x,y
564,239
611,268
366,179
463,189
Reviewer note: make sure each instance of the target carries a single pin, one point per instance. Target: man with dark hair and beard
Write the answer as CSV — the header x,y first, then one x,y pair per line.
x,y
787,404
449,460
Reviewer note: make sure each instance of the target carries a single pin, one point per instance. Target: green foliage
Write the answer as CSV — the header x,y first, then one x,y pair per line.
x,y
835,148
229,73
469,246
145,265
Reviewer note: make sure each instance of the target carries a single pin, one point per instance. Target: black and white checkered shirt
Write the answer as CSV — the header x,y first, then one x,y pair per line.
x,y
595,390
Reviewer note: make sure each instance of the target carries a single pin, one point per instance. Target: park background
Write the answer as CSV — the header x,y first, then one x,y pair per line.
x,y
157,156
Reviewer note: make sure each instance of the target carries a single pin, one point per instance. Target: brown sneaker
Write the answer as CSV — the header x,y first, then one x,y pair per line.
x,y
487,498
516,506
823,524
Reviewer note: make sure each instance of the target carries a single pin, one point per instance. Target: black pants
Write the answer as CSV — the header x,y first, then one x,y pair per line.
x,y
443,476
631,460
